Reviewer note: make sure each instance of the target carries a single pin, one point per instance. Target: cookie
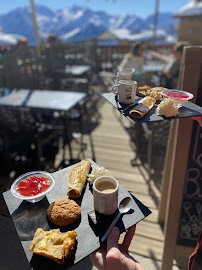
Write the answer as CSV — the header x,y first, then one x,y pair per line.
x,y
63,212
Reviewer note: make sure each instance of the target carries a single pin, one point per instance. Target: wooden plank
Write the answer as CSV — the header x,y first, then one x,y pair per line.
x,y
166,174
175,193
150,230
150,248
115,153
153,218
191,69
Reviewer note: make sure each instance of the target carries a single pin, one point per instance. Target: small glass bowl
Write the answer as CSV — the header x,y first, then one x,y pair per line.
x,y
34,198
178,101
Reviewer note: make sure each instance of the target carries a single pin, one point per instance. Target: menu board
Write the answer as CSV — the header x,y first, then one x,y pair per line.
x,y
191,211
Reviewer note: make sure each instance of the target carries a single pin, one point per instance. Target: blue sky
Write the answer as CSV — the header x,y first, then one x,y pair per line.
x,y
142,8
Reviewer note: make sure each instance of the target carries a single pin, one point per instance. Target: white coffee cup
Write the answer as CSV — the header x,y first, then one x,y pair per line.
x,y
105,195
125,74
126,91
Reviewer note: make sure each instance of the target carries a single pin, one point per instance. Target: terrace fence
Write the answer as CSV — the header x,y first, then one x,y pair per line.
x,y
22,68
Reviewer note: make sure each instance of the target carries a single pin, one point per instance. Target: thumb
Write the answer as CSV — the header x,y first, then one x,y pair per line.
x,y
113,238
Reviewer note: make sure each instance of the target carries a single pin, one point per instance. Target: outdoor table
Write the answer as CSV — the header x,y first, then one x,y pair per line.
x,y
54,100
42,100
74,72
57,100
77,70
15,98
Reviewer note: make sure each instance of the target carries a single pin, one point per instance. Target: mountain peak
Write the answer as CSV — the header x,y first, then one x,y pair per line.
x,y
76,23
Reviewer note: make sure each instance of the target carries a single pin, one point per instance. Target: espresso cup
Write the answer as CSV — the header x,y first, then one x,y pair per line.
x,y
126,91
125,74
105,195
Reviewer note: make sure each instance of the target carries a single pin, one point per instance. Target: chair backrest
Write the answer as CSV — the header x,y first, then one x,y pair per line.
x,y
18,123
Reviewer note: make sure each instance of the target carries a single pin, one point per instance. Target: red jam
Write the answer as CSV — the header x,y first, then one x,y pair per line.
x,y
33,185
176,95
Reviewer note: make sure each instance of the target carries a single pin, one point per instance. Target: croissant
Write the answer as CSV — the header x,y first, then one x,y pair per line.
x,y
77,178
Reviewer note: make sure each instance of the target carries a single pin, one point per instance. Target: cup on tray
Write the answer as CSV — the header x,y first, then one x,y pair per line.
x,y
125,90
105,195
125,74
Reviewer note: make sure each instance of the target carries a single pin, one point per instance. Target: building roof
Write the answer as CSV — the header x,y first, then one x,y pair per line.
x,y
125,34
193,8
107,35
10,39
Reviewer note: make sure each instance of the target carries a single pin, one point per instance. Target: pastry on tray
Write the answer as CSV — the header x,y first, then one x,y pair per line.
x,y
158,89
63,212
141,90
142,108
154,92
53,244
77,178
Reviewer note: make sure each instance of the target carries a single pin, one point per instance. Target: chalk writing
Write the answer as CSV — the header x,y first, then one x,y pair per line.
x,y
191,213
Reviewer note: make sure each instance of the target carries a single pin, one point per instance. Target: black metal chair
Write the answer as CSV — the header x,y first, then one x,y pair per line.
x,y
30,142
150,141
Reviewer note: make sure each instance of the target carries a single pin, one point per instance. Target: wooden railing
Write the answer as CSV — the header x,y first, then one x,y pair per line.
x,y
23,69
109,57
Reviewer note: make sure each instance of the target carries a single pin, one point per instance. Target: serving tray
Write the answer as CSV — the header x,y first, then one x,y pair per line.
x,y
188,110
28,217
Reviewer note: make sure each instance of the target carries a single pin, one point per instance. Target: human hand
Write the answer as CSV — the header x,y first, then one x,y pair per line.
x,y
115,256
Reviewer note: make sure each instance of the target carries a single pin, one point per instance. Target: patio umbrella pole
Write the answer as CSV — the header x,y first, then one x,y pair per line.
x,y
35,28
155,21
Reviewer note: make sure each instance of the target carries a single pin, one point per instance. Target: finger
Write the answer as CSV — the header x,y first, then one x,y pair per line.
x,y
113,238
98,258
128,238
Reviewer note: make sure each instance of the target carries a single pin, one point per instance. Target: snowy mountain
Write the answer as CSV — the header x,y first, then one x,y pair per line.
x,y
165,22
77,23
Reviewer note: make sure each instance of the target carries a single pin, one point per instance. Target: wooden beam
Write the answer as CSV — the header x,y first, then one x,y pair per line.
x,y
178,154
182,139
166,174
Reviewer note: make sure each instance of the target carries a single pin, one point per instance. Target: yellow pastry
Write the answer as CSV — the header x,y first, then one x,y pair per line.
x,y
53,244
155,94
143,107
77,178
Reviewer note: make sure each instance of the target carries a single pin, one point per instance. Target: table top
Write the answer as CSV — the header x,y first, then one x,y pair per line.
x,y
43,99
28,217
188,110
54,100
15,98
75,69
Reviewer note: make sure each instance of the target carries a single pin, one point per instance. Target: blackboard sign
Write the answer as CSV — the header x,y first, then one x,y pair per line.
x,y
191,212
